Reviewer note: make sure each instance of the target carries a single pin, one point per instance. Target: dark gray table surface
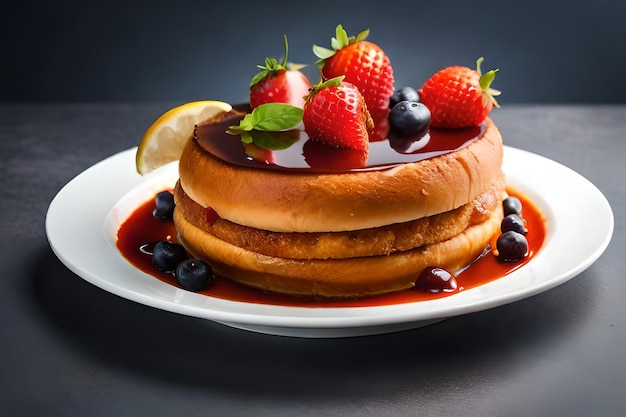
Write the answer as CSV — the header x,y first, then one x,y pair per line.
x,y
72,349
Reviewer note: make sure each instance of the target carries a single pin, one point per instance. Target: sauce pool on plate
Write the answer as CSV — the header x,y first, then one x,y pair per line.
x,y
143,228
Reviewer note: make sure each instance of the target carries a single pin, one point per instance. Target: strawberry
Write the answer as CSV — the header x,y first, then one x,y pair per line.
x,y
363,63
335,114
459,97
279,82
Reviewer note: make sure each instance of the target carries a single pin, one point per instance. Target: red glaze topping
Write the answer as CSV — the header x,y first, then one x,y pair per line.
x,y
308,155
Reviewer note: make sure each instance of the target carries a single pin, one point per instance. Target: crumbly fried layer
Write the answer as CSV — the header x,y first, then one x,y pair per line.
x,y
350,277
349,244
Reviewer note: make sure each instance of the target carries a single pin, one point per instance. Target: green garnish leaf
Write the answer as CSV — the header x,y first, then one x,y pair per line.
x,y
270,126
273,117
246,123
269,117
246,137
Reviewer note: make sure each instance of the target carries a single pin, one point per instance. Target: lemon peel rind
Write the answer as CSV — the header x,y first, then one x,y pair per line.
x,y
147,156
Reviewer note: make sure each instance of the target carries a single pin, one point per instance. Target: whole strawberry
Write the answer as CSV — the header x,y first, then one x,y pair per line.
x,y
278,82
335,114
459,97
363,63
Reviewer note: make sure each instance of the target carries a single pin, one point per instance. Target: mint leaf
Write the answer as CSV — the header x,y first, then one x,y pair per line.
x,y
270,126
273,117
269,117
247,123
246,137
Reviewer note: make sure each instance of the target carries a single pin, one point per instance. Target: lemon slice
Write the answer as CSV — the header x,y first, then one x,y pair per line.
x,y
164,140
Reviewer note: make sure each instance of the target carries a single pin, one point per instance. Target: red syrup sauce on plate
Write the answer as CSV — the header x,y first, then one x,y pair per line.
x,y
142,228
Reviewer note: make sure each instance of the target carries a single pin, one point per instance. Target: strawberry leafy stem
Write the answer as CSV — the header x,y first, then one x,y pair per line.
x,y
340,40
333,82
273,66
485,81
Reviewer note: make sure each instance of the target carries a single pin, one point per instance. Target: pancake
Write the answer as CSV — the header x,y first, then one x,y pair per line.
x,y
344,233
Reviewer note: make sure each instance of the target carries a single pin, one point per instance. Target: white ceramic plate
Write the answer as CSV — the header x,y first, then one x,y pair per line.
x,y
83,219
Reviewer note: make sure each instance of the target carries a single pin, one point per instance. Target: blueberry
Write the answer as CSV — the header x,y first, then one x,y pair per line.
x,y
164,206
409,119
512,205
403,94
193,274
167,255
513,222
435,280
512,246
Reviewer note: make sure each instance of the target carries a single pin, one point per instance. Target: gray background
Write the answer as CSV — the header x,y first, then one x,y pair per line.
x,y
547,51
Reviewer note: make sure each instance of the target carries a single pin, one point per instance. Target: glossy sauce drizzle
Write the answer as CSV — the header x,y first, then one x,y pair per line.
x,y
309,156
